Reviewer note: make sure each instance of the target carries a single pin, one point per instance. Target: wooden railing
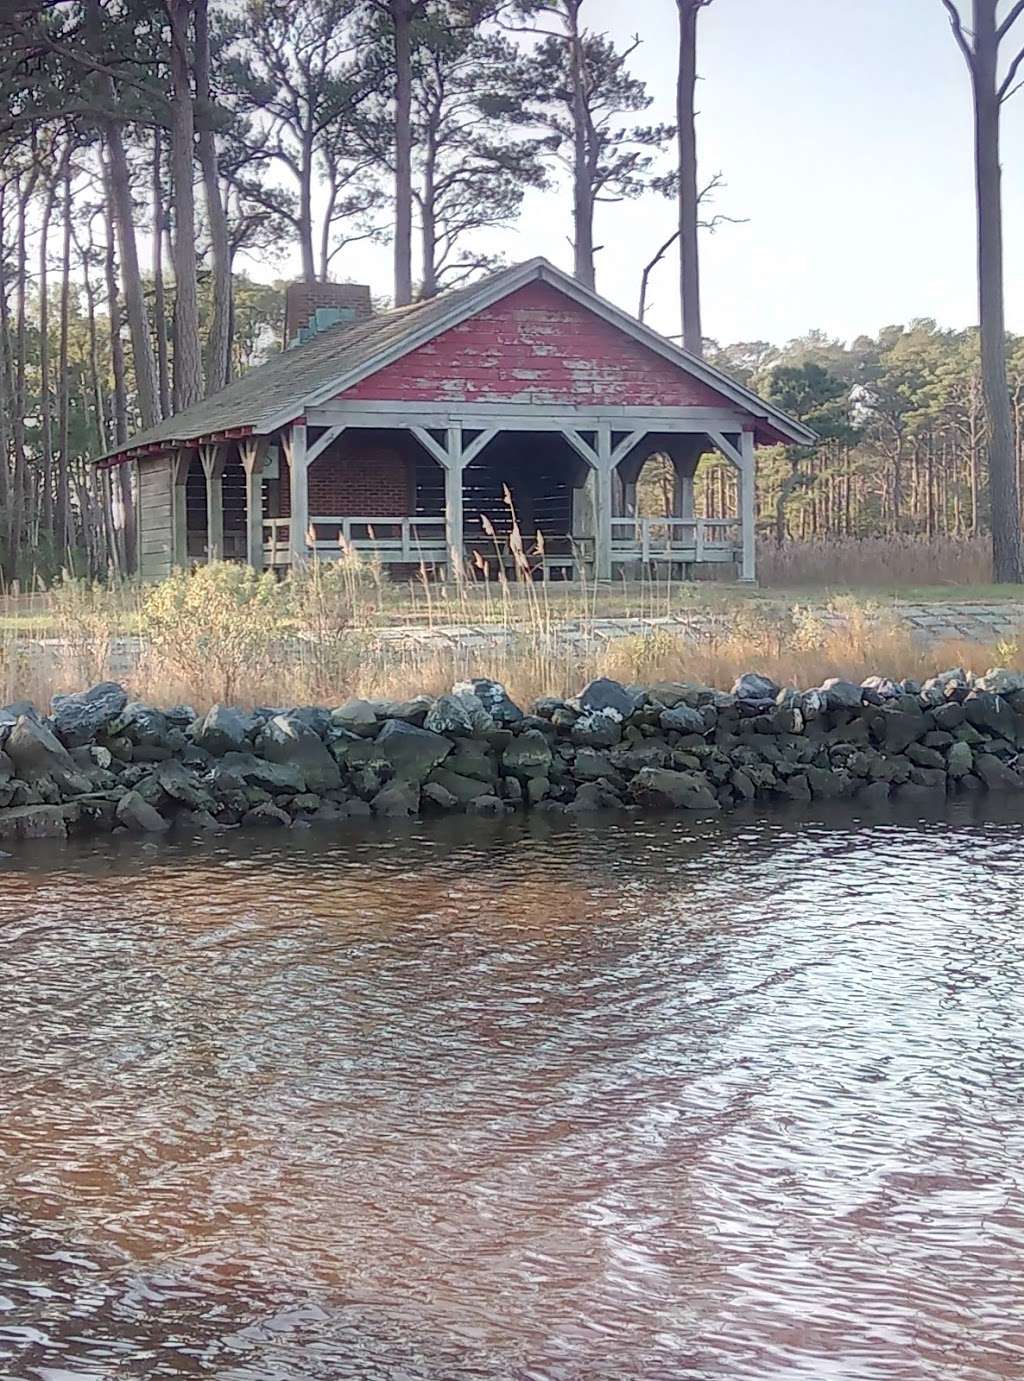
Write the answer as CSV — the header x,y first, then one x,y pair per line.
x,y
675,539
399,541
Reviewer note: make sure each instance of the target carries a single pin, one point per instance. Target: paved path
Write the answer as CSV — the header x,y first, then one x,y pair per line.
x,y
930,623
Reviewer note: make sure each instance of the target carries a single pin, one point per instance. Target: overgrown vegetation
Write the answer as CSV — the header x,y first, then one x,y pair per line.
x,y
224,633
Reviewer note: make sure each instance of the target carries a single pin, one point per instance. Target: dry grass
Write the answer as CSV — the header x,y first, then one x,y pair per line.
x,y
877,562
218,635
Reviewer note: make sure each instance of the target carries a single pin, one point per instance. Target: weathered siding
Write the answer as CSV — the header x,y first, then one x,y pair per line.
x,y
536,346
156,518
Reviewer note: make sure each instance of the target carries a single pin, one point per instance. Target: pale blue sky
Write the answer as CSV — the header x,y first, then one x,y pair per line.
x,y
843,131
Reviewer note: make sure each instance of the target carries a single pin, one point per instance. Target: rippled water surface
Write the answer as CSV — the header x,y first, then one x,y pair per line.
x,y
653,1100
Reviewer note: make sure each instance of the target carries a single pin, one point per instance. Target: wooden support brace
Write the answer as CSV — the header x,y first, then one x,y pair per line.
x,y
320,445
212,460
253,455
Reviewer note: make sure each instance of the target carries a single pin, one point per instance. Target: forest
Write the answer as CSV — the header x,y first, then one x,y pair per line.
x,y
150,150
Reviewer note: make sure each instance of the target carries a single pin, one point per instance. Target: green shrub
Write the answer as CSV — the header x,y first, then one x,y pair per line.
x,y
215,627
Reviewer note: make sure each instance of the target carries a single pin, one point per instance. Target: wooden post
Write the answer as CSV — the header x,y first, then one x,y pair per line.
x,y
748,508
603,504
212,459
298,470
453,521
179,510
253,455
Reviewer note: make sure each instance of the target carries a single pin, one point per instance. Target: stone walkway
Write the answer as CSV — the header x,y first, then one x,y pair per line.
x,y
929,623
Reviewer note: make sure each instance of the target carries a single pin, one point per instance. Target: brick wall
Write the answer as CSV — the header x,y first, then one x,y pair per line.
x,y
536,346
356,478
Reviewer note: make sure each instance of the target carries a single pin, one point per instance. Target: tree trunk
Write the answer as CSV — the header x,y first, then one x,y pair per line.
x,y
120,193
6,409
126,533
159,219
428,287
304,221
218,345
1007,566
62,528
45,401
401,14
188,372
582,197
689,252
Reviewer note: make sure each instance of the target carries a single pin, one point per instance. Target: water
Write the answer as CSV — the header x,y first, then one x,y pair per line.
x,y
654,1100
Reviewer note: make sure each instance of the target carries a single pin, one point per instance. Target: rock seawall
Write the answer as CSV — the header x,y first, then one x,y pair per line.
x,y
98,762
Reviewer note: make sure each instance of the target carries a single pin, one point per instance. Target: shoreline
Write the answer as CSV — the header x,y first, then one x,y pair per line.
x,y
96,763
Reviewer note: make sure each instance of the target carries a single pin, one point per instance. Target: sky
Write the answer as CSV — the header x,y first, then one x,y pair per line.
x,y
842,129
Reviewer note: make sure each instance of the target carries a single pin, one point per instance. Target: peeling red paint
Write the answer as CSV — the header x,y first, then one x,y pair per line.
x,y
536,346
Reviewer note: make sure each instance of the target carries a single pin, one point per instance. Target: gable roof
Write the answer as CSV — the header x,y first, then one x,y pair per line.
x,y
277,392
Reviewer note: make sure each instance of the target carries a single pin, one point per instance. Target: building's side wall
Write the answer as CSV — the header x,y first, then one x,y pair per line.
x,y
536,346
156,518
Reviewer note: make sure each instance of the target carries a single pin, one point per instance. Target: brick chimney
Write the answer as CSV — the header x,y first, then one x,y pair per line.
x,y
335,301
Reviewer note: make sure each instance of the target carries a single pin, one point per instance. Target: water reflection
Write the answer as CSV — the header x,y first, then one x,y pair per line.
x,y
648,1100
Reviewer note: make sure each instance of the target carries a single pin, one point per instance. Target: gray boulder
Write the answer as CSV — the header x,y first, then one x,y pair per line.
x,y
488,807
397,800
266,816
223,730
254,771
874,794
34,822
450,714
435,796
36,752
77,719
136,814
959,759
899,729
661,787
683,720
883,686
606,697
992,712
591,765
752,686
493,697
948,716
597,729
288,740
177,782
464,789
528,755
473,757
410,753
357,716
409,711
673,693
995,774
842,695
1001,682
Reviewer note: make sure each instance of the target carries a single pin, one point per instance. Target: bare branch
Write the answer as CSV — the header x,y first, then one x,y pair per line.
x,y
1009,21
649,269
958,33
1006,87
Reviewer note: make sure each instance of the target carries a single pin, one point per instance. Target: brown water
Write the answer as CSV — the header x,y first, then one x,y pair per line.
x,y
733,1100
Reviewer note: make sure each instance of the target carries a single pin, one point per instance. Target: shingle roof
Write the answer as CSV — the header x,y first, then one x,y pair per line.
x,y
276,392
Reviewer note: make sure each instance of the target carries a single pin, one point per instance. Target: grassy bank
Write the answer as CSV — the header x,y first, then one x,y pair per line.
x,y
225,634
